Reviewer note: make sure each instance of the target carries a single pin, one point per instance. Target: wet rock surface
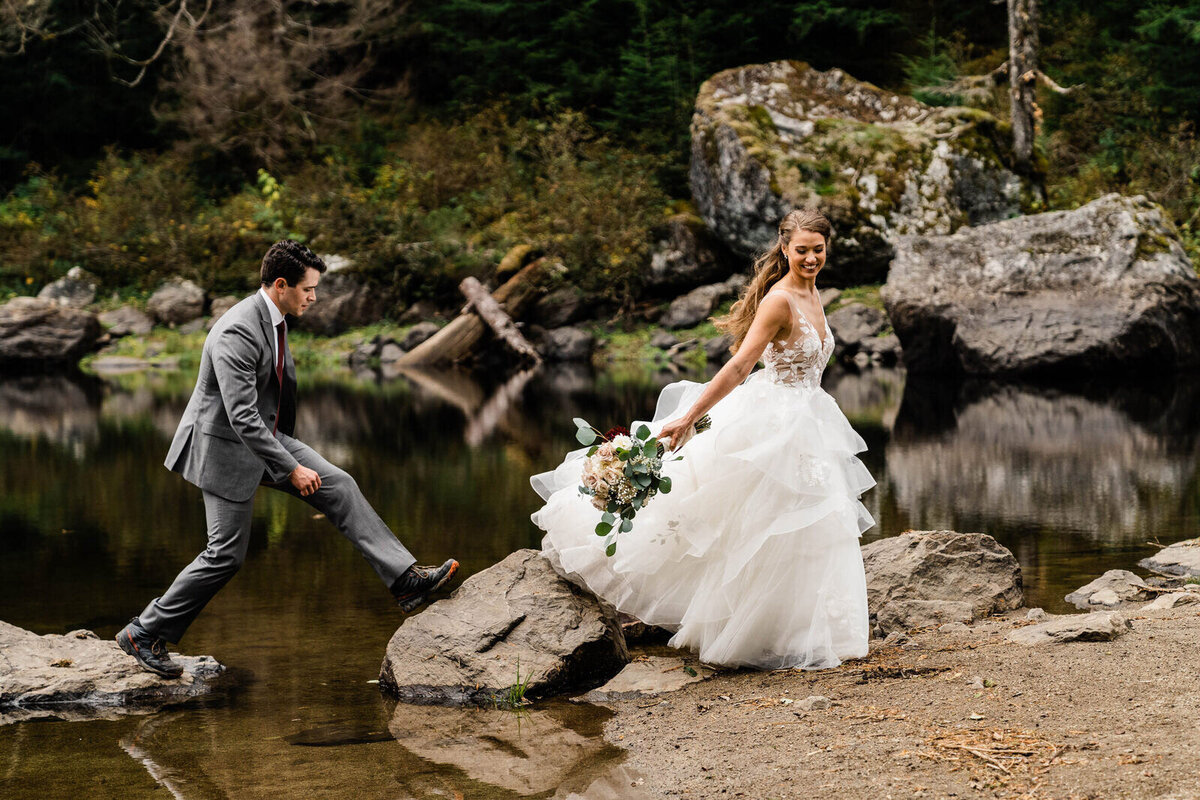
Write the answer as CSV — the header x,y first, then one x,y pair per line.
x,y
517,622
38,333
925,578
78,675
767,138
649,676
1106,286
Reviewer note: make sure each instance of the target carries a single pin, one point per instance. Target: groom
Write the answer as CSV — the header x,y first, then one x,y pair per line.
x,y
236,433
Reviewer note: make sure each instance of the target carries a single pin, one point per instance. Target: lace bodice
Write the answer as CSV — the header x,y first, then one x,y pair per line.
x,y
801,359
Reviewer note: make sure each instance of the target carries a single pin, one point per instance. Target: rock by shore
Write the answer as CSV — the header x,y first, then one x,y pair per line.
x,y
516,622
80,676
37,332
1181,558
1105,287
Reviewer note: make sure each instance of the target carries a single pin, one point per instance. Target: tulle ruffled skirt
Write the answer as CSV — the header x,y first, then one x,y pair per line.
x,y
753,557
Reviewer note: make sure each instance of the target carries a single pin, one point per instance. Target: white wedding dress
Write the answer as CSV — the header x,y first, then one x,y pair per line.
x,y
753,558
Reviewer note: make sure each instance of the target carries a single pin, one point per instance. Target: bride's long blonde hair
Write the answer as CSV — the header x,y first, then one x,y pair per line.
x,y
769,269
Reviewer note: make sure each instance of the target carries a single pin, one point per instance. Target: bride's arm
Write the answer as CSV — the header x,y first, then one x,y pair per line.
x,y
772,317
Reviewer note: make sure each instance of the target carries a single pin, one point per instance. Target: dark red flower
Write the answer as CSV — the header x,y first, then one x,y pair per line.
x,y
613,433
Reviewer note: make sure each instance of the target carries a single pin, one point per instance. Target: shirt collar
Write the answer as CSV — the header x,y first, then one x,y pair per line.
x,y
272,309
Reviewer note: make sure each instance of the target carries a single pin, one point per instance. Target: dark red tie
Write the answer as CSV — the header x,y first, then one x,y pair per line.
x,y
281,330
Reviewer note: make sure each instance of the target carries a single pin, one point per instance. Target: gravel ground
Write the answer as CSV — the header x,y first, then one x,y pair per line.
x,y
963,714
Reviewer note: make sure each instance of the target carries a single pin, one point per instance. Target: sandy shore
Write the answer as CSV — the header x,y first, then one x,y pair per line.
x,y
948,715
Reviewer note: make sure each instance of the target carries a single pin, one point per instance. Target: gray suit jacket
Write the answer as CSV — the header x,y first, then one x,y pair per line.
x,y
224,442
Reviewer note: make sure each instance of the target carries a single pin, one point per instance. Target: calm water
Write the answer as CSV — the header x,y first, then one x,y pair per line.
x,y
91,526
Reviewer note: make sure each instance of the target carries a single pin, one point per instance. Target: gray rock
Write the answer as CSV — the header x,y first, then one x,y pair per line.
x,y
558,308
192,326
716,349
829,296
68,675
466,648
647,677
390,352
686,255
954,627
855,322
896,639
1116,588
1036,614
126,321
814,702
768,138
1100,626
336,263
663,340
881,350
925,578
35,331
1168,601
344,300
1107,286
218,307
74,290
1181,558
696,306
567,344
175,302
418,312
417,334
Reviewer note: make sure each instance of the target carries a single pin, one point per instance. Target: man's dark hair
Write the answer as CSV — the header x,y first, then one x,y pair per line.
x,y
289,260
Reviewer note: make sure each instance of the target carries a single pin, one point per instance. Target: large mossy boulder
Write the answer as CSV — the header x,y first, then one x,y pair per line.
x,y
1106,287
768,138
516,623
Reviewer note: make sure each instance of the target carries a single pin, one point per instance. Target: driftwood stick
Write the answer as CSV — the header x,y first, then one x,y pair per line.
x,y
482,302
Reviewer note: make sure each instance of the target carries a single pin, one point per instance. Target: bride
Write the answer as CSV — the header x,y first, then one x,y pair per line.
x,y
753,558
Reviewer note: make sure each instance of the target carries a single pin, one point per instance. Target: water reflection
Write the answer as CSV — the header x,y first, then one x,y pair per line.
x,y
1073,481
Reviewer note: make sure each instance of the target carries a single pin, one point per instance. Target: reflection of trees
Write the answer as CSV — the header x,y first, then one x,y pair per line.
x,y
61,408
1114,467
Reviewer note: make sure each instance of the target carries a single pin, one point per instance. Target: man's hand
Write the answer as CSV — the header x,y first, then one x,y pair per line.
x,y
305,480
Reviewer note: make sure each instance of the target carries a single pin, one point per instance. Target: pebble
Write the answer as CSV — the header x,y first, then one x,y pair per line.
x,y
814,702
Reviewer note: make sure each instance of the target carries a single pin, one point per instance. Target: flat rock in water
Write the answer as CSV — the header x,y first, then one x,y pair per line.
x,y
925,578
1104,287
517,622
1181,558
1100,626
1116,588
79,676
646,678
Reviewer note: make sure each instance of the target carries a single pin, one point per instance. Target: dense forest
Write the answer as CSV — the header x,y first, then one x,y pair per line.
x,y
147,138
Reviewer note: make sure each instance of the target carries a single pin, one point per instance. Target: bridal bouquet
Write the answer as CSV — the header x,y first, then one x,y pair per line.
x,y
622,473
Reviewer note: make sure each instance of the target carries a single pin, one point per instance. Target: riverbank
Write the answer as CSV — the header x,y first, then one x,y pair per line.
x,y
963,714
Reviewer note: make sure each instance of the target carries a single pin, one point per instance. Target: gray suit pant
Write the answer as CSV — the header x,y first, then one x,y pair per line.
x,y
339,499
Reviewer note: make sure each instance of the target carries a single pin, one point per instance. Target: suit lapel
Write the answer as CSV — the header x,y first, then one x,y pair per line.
x,y
269,334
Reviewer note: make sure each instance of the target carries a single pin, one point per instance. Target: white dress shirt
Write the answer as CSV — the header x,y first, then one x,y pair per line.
x,y
276,318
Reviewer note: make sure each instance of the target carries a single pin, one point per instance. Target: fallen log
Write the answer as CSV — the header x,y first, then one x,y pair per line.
x,y
501,324
456,341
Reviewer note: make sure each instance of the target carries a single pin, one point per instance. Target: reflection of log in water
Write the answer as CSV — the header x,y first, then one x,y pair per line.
x,y
1034,456
164,777
62,408
484,416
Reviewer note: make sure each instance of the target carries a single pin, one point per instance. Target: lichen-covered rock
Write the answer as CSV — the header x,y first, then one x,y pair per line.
x,y
695,306
175,302
70,676
74,290
35,333
516,622
768,138
924,578
1106,286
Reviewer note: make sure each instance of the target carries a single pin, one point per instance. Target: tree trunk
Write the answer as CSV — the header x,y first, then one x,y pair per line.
x,y
1022,78
501,324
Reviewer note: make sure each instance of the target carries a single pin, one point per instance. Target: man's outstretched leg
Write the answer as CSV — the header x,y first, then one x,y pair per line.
x,y
342,502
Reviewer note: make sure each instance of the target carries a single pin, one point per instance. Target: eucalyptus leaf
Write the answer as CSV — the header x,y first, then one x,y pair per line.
x,y
643,432
611,550
607,517
650,450
626,525
664,485
580,422
612,507
593,450
585,436
603,528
